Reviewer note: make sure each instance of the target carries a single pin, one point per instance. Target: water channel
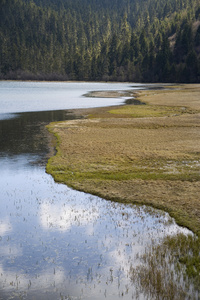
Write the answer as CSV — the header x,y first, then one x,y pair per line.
x,y
57,243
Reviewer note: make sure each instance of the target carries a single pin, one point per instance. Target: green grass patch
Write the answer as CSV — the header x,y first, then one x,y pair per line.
x,y
144,111
171,270
134,173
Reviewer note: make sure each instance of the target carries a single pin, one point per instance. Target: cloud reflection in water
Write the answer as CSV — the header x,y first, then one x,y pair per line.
x,y
57,242
5,226
62,216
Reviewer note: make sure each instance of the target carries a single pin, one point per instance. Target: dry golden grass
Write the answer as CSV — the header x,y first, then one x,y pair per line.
x,y
183,95
123,155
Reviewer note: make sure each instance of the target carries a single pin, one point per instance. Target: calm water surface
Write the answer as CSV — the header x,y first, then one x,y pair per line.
x,y
43,96
57,243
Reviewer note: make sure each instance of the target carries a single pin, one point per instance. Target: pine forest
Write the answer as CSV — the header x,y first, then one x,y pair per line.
x,y
100,40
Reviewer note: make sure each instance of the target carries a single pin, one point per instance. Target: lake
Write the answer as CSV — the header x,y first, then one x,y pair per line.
x,y
57,243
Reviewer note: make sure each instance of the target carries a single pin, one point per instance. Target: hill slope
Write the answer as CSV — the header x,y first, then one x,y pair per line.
x,y
134,40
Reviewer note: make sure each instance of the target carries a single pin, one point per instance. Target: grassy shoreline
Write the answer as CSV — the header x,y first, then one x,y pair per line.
x,y
145,154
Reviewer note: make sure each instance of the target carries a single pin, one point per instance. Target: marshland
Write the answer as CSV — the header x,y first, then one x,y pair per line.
x,y
121,219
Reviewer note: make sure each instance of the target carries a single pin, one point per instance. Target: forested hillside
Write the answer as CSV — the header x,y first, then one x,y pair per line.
x,y
118,40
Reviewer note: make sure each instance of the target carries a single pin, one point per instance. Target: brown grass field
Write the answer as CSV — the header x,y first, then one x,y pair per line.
x,y
145,154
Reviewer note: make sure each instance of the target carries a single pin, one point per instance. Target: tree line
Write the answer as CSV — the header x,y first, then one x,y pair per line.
x,y
115,40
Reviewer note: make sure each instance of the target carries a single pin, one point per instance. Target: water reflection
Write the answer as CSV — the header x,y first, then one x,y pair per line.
x,y
62,217
5,226
56,243
26,133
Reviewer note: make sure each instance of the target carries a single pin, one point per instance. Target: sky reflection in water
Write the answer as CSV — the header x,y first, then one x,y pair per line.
x,y
57,243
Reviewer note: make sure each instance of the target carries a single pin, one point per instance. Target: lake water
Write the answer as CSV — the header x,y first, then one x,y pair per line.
x,y
57,243
45,96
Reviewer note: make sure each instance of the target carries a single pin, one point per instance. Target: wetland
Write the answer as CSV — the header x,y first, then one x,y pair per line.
x,y
60,243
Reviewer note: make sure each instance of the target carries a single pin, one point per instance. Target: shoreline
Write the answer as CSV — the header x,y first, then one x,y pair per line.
x,y
109,153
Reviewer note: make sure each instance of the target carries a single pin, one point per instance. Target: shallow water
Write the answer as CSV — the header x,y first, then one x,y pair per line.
x,y
57,243
44,96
